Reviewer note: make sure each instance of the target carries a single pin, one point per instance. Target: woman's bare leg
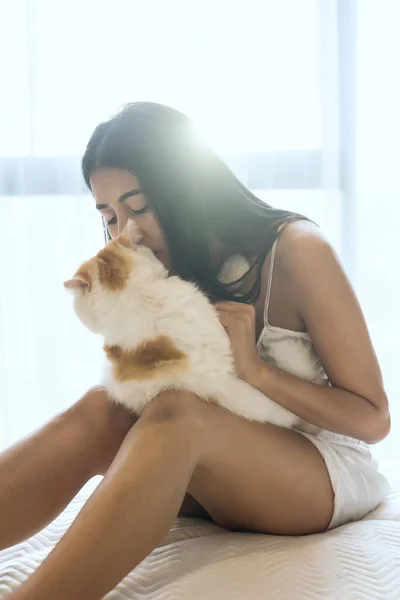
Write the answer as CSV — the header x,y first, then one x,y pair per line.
x,y
248,476
41,474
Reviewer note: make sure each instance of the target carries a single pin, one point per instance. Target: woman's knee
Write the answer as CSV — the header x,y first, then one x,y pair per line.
x,y
178,406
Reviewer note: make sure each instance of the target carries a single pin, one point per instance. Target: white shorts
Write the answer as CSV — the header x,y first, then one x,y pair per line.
x,y
357,484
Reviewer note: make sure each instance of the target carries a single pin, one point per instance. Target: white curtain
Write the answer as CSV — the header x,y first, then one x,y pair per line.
x,y
269,83
377,211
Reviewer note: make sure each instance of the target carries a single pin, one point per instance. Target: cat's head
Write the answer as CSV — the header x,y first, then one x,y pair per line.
x,y
109,282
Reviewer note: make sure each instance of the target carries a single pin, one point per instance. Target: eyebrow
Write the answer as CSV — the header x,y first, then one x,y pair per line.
x,y
122,198
127,195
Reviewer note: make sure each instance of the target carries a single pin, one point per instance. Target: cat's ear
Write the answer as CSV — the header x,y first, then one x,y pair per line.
x,y
79,283
130,235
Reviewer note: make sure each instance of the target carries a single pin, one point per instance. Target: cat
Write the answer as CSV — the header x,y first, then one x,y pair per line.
x,y
161,332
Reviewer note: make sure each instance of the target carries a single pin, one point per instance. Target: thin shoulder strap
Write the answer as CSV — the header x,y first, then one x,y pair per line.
x,y
271,271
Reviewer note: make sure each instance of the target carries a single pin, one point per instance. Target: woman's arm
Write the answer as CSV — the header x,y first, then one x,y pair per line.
x,y
331,408
356,404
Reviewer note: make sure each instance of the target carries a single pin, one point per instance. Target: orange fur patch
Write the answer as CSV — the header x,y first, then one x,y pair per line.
x,y
155,358
113,267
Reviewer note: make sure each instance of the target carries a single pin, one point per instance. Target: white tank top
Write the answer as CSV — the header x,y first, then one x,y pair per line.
x,y
291,351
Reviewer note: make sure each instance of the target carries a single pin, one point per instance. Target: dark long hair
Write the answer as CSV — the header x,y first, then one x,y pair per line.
x,y
193,193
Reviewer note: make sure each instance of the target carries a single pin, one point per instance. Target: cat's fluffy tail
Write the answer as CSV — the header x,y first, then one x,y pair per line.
x,y
239,397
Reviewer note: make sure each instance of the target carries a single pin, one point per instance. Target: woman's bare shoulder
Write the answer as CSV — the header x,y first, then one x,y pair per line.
x,y
299,236
308,263
304,250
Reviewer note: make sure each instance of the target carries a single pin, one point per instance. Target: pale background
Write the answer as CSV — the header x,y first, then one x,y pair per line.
x,y
300,96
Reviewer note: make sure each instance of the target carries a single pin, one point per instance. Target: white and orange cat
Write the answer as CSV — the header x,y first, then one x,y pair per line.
x,y
160,333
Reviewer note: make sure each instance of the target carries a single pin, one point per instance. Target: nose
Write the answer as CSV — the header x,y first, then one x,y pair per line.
x,y
123,216
121,225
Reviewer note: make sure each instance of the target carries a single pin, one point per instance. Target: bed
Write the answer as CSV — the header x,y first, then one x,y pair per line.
x,y
198,561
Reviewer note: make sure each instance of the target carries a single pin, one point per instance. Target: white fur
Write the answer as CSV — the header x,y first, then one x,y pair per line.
x,y
154,304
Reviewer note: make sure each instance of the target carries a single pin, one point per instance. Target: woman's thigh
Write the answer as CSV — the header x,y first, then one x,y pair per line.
x,y
258,477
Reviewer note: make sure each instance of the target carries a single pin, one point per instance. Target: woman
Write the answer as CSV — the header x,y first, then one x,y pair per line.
x,y
313,356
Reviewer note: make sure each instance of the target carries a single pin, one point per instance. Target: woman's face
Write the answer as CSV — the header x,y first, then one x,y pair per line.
x,y
119,198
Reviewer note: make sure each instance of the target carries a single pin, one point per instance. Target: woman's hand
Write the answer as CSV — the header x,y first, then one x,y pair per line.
x,y
239,321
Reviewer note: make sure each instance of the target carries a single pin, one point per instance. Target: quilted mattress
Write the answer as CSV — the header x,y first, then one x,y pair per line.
x,y
200,561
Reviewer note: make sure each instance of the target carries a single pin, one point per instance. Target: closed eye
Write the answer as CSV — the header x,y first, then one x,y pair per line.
x,y
139,211
112,221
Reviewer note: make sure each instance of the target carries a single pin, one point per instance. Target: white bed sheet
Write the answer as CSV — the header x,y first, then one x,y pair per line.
x,y
200,561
